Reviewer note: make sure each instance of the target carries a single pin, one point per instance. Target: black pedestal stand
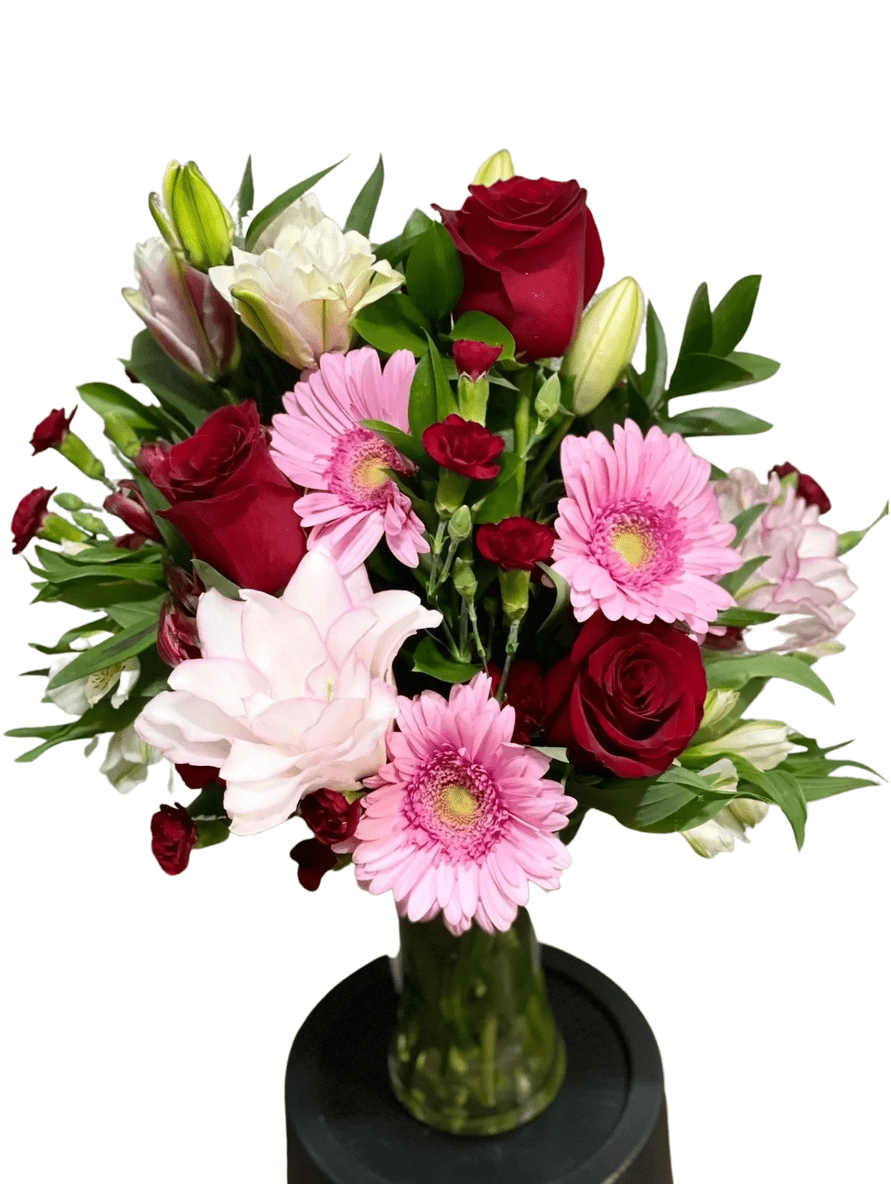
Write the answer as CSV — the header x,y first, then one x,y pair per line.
x,y
606,1126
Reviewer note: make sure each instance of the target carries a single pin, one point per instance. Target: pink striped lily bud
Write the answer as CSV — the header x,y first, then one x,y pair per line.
x,y
128,504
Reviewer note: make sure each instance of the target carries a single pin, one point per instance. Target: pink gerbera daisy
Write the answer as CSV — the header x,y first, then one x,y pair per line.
x,y
639,533
462,819
318,442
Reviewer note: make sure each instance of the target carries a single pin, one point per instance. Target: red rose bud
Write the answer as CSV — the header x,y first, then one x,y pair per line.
x,y
813,494
197,776
475,358
515,543
128,504
313,860
177,635
329,816
29,517
628,698
531,256
525,693
174,834
50,432
465,448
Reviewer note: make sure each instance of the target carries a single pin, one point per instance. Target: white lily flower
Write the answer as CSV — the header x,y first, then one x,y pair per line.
x,y
127,759
76,697
304,285
729,824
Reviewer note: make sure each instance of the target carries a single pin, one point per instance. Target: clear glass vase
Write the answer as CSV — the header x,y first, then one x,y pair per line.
x,y
476,1050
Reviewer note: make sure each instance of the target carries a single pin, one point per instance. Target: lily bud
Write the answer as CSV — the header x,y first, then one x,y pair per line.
x,y
498,167
762,742
177,635
604,343
128,504
202,223
547,401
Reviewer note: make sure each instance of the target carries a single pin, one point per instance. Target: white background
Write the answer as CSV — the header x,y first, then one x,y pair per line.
x,y
147,1019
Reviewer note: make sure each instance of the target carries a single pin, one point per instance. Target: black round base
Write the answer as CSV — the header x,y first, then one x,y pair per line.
x,y
606,1126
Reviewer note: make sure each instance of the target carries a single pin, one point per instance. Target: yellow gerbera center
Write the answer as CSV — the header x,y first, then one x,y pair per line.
x,y
634,546
371,472
457,804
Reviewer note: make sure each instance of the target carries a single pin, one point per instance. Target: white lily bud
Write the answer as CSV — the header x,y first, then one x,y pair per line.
x,y
604,343
729,824
127,759
762,742
498,167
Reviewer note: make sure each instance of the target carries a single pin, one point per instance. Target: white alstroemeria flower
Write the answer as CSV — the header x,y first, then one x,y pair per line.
x,y
127,759
763,743
304,284
293,694
729,824
77,696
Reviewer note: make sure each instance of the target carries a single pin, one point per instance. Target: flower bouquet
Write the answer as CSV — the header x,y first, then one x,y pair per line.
x,y
415,561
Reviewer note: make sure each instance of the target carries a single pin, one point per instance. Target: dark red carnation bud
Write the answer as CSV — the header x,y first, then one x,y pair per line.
x,y
525,693
128,504
174,834
186,587
464,447
177,635
475,358
197,776
808,488
50,432
329,815
313,860
515,543
728,640
28,517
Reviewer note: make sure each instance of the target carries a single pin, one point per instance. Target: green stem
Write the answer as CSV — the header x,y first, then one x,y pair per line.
x,y
510,650
550,448
521,428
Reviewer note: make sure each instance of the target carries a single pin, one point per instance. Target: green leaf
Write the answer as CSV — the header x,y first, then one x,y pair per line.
x,y
735,580
734,673
815,789
211,578
733,315
392,323
272,211
431,398
746,520
446,402
362,214
561,602
106,399
63,645
408,446
479,326
185,398
434,275
98,594
778,787
677,800
244,199
138,612
697,372
501,500
428,659
717,421
652,382
118,648
849,540
697,337
209,804
396,249
99,718
740,618
759,368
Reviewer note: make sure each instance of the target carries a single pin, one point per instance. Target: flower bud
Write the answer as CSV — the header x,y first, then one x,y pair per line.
x,y
514,593
202,223
498,167
330,815
127,759
177,635
118,430
460,525
762,742
174,834
547,401
314,859
50,432
128,504
30,516
604,343
90,523
69,501
464,579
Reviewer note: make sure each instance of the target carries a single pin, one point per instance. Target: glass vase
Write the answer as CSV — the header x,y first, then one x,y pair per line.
x,y
476,1050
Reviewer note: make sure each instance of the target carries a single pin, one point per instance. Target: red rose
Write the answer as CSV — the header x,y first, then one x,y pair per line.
x,y
174,834
475,358
230,503
329,816
28,517
808,488
464,447
50,432
628,698
198,776
313,860
128,504
532,259
525,692
515,543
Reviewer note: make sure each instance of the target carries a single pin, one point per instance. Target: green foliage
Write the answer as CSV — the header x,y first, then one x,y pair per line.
x,y
395,250
501,500
735,580
187,400
678,799
147,422
652,382
815,772
391,323
741,617
121,646
281,203
433,274
211,578
431,398
734,673
407,445
479,326
745,520
849,540
244,199
364,207
429,659
697,337
732,315
776,786
716,421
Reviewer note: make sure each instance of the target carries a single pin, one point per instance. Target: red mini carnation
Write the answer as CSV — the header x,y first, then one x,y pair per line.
x,y
475,358
525,693
515,543
50,432
329,815
28,517
464,447
313,858
174,834
808,488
